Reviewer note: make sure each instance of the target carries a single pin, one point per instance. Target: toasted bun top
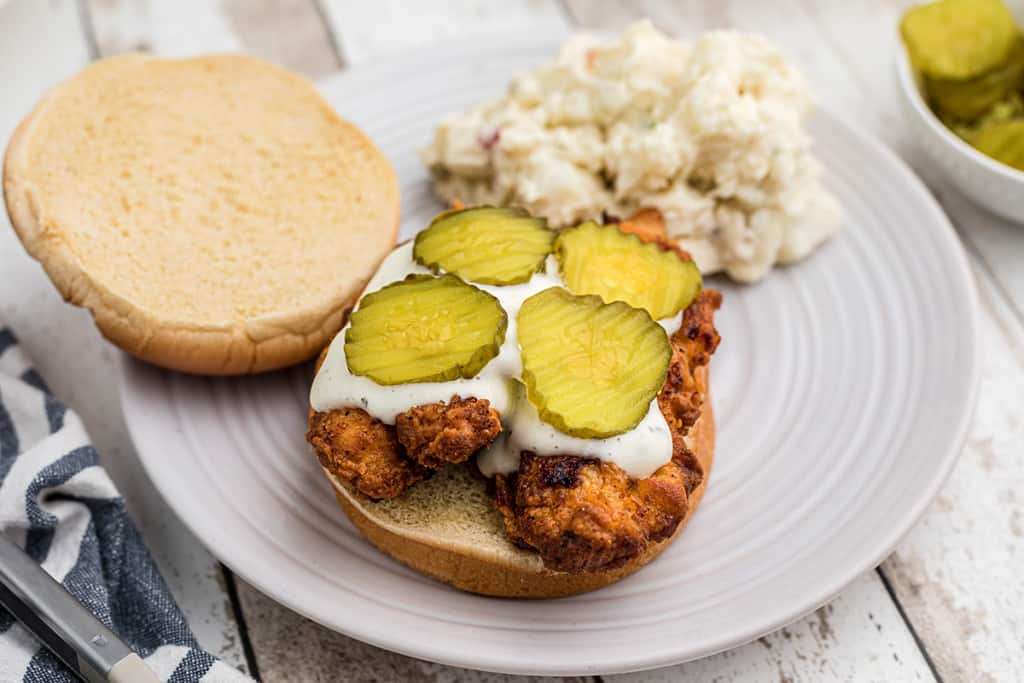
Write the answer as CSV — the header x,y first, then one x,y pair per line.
x,y
214,213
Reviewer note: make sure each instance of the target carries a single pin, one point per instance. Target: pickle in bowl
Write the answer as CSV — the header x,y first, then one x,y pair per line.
x,y
958,39
1003,141
970,56
969,99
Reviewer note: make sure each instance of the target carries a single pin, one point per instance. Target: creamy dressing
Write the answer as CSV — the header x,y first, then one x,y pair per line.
x,y
671,325
639,452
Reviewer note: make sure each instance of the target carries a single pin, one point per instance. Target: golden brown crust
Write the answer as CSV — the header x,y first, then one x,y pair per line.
x,y
440,433
649,226
692,345
363,451
381,461
586,515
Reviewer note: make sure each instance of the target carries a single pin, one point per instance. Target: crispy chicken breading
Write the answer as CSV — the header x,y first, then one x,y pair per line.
x,y
649,226
382,460
692,345
439,433
587,515
363,451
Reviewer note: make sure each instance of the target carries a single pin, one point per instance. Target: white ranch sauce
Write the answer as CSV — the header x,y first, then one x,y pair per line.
x,y
639,452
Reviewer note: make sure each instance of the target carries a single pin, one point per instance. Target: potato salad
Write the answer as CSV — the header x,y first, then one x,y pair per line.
x,y
709,134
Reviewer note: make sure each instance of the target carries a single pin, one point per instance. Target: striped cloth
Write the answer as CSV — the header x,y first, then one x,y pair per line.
x,y
60,506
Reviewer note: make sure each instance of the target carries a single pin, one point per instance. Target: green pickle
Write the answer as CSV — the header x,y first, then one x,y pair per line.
x,y
424,329
970,54
1012,107
603,260
969,99
1003,141
487,245
958,39
591,369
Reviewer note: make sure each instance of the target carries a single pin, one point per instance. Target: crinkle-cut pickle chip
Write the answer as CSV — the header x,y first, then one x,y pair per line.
x,y
967,100
603,260
958,38
1003,141
424,329
590,368
1007,109
487,245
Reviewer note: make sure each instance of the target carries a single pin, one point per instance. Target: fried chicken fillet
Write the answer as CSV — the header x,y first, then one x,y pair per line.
x,y
381,460
584,514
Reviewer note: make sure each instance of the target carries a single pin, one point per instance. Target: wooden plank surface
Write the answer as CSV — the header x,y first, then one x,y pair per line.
x,y
197,26
290,649
171,29
291,33
958,573
859,636
370,29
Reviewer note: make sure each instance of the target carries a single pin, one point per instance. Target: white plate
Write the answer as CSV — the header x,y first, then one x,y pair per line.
x,y
843,388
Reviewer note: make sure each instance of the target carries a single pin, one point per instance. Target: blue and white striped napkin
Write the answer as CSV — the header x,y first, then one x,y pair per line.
x,y
60,506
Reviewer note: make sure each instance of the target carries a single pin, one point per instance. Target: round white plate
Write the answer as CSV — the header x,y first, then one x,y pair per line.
x,y
843,389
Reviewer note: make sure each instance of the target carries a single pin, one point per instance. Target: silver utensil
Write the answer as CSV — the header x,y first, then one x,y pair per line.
x,y
59,621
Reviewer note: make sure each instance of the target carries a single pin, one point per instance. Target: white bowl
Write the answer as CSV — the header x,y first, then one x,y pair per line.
x,y
995,186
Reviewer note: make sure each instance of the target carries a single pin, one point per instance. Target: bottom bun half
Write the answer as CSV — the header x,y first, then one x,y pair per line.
x,y
448,528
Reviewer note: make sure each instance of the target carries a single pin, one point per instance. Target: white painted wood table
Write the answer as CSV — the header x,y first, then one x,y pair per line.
x,y
947,605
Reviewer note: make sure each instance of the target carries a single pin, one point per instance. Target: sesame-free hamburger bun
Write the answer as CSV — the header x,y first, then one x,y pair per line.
x,y
214,214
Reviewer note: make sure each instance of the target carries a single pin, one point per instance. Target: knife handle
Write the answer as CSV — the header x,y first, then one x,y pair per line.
x,y
59,621
132,669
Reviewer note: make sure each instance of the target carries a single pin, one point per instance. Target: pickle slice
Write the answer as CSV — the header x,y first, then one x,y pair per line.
x,y
603,260
424,329
1007,109
967,100
1003,141
488,245
958,38
590,368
